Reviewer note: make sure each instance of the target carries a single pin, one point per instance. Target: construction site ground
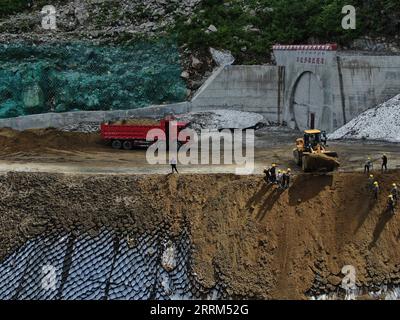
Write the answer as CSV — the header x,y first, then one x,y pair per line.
x,y
49,150
261,241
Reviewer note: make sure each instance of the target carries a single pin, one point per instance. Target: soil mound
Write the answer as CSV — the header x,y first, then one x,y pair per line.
x,y
44,139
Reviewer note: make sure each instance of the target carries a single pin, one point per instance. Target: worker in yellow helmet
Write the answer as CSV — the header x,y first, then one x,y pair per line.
x,y
368,165
391,204
376,190
279,178
395,192
371,180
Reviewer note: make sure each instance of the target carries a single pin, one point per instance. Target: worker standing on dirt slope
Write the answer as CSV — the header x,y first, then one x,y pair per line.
x,y
368,165
173,165
371,180
267,175
272,173
395,192
384,162
279,178
283,179
391,204
376,190
288,176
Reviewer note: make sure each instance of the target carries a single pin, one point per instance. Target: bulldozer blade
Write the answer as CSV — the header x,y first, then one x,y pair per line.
x,y
319,162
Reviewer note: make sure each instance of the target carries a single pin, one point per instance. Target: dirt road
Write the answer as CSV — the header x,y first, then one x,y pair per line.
x,y
49,150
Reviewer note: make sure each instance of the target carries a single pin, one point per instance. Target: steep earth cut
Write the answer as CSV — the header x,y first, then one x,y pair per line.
x,y
260,241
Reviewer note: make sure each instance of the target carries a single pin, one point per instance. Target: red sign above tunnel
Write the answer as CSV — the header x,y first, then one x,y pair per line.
x,y
307,54
319,47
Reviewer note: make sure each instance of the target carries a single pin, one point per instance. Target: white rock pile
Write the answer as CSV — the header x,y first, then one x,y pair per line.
x,y
381,123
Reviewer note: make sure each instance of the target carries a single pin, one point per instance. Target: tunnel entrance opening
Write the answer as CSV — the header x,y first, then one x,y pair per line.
x,y
307,103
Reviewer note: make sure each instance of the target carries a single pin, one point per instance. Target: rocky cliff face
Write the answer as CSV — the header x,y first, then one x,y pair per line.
x,y
110,23
97,19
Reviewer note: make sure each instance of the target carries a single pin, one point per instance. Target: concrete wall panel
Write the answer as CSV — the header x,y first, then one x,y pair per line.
x,y
246,88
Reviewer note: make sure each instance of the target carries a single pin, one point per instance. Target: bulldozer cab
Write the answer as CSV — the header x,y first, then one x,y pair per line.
x,y
314,138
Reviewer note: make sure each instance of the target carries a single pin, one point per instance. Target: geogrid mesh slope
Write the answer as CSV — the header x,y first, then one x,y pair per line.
x,y
107,266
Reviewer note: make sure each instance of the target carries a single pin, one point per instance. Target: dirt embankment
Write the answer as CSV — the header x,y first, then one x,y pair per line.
x,y
261,241
37,140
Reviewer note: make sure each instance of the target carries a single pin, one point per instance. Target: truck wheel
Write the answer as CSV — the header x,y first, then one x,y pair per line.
x,y
127,145
116,144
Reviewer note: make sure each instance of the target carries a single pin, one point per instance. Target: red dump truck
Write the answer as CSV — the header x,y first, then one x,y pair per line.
x,y
126,136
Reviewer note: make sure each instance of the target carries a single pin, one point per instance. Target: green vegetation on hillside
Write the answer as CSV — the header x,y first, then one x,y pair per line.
x,y
249,28
9,7
12,6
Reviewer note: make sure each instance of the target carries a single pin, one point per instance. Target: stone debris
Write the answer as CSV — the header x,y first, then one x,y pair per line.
x,y
168,259
84,127
212,28
222,119
222,57
381,123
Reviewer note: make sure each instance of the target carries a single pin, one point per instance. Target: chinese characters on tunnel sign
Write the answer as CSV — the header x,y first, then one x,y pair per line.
x,y
317,58
308,54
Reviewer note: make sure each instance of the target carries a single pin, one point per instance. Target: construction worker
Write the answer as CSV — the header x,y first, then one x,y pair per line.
x,y
279,177
272,173
283,179
368,165
324,139
384,162
267,175
371,180
173,165
376,190
288,175
395,192
391,204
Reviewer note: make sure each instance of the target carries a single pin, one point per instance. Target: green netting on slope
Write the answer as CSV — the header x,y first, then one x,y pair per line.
x,y
67,77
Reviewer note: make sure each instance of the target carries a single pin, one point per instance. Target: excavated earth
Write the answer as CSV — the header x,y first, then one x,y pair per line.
x,y
258,240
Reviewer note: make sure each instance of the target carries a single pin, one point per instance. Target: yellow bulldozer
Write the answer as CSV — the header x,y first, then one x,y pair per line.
x,y
312,155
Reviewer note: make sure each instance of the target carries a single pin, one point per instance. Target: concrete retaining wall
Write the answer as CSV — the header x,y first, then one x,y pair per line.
x,y
368,81
244,88
58,120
